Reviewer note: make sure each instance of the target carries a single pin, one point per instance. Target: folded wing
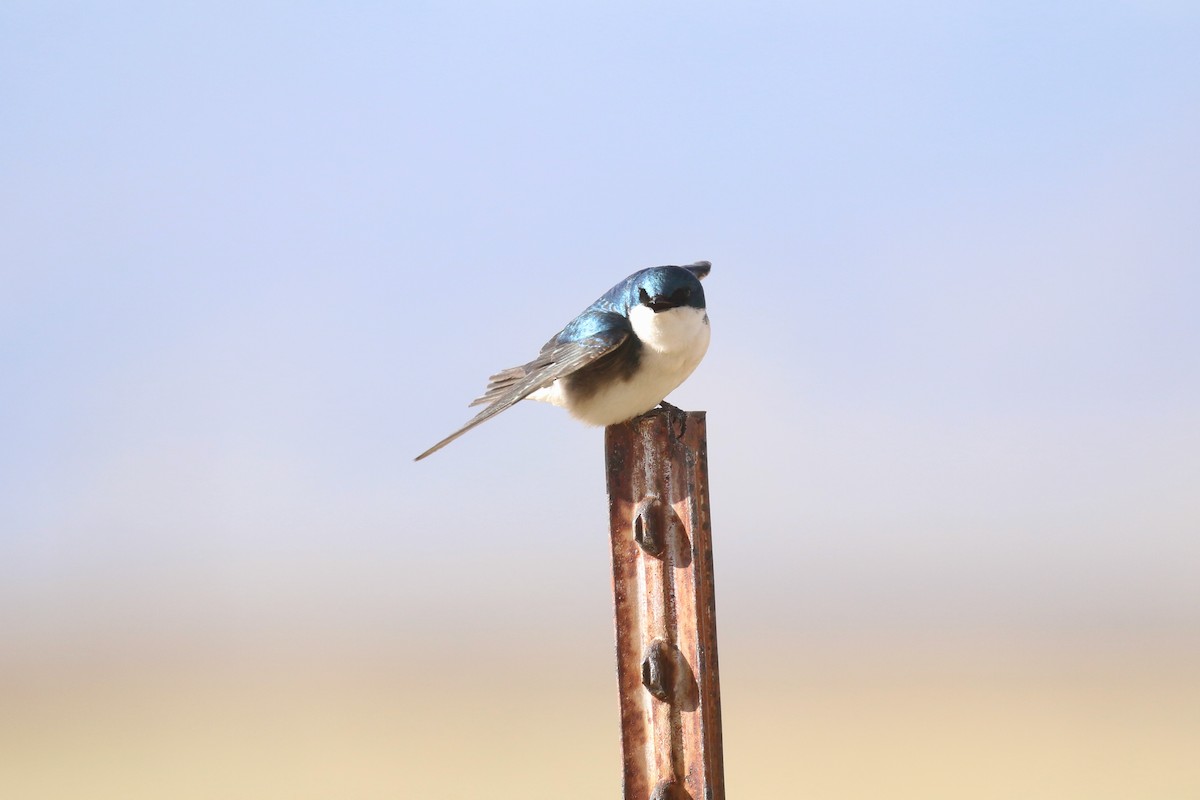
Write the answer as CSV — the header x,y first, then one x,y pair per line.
x,y
556,360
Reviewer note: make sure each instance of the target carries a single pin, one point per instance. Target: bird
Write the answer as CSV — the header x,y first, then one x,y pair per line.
x,y
617,359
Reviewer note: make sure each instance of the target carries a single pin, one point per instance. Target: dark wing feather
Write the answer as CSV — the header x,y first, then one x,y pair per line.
x,y
557,359
501,382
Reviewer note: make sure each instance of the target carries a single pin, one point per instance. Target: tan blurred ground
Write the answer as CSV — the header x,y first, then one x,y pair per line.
x,y
938,721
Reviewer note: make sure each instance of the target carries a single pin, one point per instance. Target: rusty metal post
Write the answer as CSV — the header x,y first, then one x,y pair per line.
x,y
665,611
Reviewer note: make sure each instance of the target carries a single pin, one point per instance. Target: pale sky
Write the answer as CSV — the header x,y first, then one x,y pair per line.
x,y
255,257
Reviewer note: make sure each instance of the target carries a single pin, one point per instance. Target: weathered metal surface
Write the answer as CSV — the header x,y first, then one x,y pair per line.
x,y
665,609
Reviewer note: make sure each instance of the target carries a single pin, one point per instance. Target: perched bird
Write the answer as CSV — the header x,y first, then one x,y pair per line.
x,y
619,358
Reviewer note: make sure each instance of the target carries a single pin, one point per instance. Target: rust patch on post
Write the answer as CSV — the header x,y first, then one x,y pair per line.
x,y
665,609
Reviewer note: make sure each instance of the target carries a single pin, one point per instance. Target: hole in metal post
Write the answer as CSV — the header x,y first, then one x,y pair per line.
x,y
648,526
658,670
667,675
669,790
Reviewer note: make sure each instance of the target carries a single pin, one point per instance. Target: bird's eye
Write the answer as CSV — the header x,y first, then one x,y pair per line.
x,y
643,297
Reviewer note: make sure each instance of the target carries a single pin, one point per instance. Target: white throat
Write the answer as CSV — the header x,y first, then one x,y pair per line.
x,y
680,332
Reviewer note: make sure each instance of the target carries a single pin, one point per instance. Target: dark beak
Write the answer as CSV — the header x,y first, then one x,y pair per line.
x,y
659,303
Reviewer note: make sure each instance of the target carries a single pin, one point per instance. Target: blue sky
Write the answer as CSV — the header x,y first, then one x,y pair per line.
x,y
255,257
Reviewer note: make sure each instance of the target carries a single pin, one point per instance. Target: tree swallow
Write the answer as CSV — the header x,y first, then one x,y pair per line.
x,y
619,358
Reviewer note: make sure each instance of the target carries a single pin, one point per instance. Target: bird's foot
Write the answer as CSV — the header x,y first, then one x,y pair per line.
x,y
665,406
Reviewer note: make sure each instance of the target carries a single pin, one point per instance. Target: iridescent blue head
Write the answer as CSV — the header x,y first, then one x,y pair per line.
x,y
661,288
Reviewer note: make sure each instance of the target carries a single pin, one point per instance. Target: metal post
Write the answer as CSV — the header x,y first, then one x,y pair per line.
x,y
665,611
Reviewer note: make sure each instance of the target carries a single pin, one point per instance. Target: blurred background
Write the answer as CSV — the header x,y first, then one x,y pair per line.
x,y
254,257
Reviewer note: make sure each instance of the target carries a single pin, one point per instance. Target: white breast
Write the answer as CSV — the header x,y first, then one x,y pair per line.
x,y
673,342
